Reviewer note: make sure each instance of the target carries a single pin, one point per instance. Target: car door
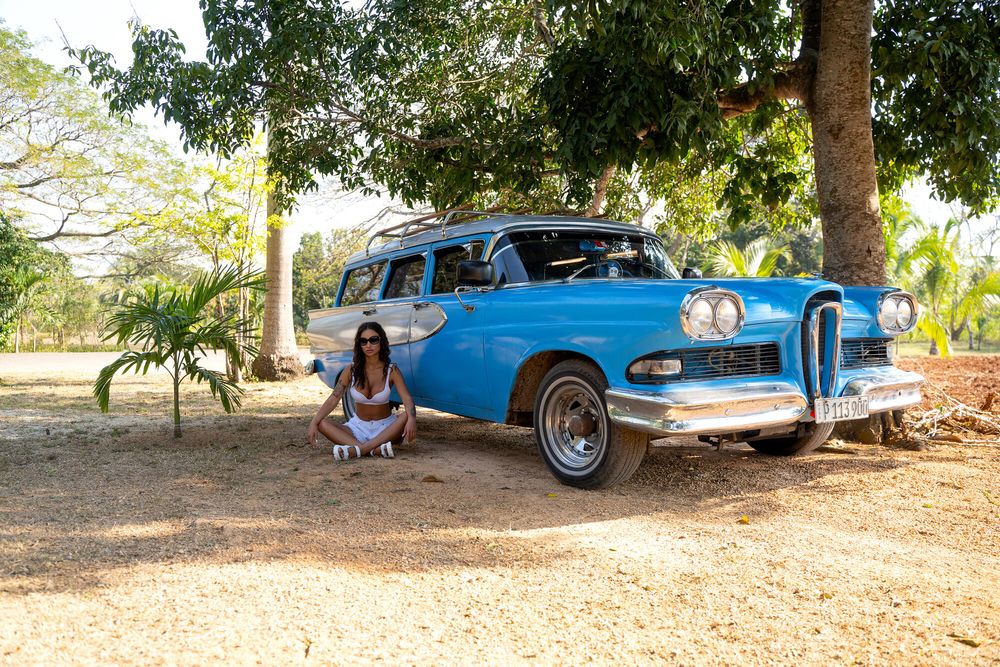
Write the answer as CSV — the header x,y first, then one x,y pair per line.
x,y
370,294
448,364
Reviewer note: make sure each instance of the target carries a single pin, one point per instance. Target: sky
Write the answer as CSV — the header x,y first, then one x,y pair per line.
x,y
104,23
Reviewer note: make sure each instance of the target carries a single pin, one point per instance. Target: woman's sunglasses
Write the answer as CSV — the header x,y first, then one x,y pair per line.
x,y
374,340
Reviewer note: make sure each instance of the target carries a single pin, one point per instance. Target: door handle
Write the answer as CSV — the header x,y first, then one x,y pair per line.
x,y
422,304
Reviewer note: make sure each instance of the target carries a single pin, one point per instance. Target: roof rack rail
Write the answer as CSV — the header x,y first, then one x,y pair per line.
x,y
428,222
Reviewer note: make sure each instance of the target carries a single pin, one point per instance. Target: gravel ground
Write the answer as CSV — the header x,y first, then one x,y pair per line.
x,y
119,544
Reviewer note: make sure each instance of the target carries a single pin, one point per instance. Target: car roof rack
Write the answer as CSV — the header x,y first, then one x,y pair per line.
x,y
439,220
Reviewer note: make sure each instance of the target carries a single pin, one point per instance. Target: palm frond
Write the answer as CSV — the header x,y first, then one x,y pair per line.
x,y
983,295
932,327
135,360
208,286
759,258
726,259
228,392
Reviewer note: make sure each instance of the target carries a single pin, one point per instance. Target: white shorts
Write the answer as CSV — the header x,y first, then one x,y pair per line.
x,y
366,430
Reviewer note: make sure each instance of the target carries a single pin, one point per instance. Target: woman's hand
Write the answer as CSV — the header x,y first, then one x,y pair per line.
x,y
410,430
313,430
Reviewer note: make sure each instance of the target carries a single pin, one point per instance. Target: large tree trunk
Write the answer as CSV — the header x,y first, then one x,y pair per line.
x,y
840,109
279,355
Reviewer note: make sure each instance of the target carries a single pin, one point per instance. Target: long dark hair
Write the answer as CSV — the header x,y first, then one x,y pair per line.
x,y
359,356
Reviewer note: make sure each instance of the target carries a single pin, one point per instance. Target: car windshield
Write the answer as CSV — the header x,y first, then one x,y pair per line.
x,y
556,255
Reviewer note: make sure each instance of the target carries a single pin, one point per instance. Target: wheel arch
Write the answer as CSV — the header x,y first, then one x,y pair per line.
x,y
531,371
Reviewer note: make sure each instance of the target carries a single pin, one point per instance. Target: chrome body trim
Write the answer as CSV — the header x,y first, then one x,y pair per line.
x,y
815,372
331,330
889,389
681,411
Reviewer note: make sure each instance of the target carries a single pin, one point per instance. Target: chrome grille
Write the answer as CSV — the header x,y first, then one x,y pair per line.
x,y
730,361
865,352
819,309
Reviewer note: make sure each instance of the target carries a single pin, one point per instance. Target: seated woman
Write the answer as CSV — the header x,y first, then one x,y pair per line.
x,y
373,429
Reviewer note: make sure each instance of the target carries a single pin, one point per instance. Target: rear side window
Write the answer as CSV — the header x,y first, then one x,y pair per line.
x,y
446,264
363,284
406,277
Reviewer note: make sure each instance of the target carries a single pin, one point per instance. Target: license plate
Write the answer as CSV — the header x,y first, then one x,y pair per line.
x,y
841,409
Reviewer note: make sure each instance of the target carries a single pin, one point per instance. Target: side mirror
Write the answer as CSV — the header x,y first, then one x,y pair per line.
x,y
691,272
475,273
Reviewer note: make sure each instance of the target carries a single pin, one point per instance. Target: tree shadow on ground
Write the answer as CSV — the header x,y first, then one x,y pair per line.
x,y
468,494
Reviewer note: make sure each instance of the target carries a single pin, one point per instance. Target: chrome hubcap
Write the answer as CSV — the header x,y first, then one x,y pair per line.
x,y
574,425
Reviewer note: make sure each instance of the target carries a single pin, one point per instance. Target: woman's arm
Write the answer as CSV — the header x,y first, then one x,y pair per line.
x,y
410,429
343,382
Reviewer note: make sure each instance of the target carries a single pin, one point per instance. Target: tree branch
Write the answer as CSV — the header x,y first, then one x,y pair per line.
x,y
793,83
600,192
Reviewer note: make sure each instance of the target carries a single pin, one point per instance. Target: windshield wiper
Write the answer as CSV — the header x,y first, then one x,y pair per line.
x,y
655,268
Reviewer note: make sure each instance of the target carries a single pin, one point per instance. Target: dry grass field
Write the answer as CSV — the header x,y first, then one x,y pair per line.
x,y
237,544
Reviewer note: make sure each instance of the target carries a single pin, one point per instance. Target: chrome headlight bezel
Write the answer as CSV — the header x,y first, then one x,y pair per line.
x,y
714,296
889,302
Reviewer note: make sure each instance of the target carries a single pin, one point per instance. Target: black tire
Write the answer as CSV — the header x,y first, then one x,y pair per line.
x,y
814,436
608,455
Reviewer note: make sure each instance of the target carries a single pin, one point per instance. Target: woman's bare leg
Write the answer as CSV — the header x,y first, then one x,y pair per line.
x,y
389,434
337,433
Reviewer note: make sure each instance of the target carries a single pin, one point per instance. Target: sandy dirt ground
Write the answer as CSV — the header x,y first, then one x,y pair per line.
x,y
119,544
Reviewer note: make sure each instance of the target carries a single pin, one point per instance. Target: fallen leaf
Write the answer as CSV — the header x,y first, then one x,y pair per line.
x,y
928,505
432,479
826,596
947,437
745,520
332,502
962,639
550,495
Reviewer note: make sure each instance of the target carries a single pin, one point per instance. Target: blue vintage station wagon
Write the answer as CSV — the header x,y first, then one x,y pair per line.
x,y
584,330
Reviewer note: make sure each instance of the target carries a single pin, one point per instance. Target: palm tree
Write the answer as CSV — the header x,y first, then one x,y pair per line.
x,y
981,296
897,221
172,328
28,287
934,262
758,259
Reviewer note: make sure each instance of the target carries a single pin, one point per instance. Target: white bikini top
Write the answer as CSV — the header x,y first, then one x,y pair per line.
x,y
381,398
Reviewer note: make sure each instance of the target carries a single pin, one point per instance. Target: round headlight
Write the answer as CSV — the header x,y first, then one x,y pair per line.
x,y
887,314
904,313
700,316
727,315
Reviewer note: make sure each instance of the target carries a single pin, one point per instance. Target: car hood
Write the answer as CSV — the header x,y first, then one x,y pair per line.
x,y
766,299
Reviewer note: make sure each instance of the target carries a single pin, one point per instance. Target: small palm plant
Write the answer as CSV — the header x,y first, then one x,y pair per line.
x,y
759,258
172,328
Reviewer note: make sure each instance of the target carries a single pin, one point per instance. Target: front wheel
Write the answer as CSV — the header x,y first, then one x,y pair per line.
x,y
807,439
576,438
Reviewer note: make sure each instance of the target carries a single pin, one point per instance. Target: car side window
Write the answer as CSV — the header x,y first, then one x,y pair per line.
x,y
363,284
406,277
446,264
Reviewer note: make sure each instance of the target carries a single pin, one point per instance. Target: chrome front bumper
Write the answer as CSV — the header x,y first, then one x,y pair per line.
x,y
681,411
676,410
889,389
